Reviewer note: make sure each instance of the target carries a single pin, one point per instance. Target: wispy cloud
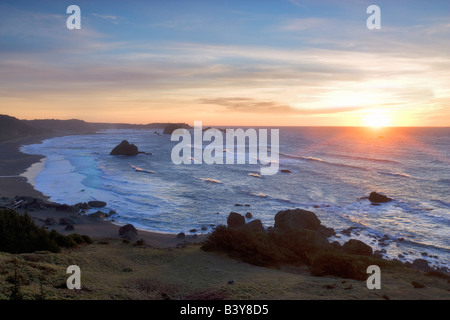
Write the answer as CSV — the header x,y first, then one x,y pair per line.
x,y
111,18
247,105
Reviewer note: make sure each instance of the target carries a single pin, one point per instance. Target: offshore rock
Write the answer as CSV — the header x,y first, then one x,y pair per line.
x,y
124,149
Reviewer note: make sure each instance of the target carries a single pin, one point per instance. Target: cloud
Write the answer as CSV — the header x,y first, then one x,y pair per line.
x,y
111,18
341,70
248,105
307,24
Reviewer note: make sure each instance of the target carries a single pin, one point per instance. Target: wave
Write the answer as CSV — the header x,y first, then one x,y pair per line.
x,y
141,170
322,161
211,180
254,175
260,194
395,174
364,158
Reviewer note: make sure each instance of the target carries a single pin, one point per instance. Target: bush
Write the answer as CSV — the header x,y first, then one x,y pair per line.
x,y
302,244
336,263
19,234
266,248
257,248
78,239
87,239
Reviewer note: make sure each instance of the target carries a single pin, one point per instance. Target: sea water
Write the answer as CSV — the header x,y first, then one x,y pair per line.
x,y
331,171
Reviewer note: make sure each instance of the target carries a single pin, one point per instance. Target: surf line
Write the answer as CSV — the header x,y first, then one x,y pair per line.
x,y
213,152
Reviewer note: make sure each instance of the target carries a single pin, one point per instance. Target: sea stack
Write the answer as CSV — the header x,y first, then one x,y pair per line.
x,y
125,149
375,197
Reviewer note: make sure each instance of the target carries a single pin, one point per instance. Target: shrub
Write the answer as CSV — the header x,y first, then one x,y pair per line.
x,y
302,244
87,239
61,240
257,248
335,263
19,234
78,239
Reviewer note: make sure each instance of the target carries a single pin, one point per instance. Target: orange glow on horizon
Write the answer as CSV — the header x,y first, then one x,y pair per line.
x,y
377,119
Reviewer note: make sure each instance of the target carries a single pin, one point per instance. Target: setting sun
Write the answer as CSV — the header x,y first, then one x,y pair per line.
x,y
376,119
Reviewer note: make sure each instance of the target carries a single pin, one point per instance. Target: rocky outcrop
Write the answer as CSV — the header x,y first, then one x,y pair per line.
x,y
375,197
97,216
128,232
96,204
174,126
298,237
299,219
254,226
124,149
354,246
235,220
419,264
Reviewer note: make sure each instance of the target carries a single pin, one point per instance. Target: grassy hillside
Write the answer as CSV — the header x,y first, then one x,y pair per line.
x,y
11,128
111,269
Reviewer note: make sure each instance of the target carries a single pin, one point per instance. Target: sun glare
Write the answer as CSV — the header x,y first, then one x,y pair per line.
x,y
376,120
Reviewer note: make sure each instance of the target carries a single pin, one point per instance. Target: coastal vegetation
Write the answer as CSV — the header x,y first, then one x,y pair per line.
x,y
297,239
19,234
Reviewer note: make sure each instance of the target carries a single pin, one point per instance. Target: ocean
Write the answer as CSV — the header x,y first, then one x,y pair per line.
x,y
327,170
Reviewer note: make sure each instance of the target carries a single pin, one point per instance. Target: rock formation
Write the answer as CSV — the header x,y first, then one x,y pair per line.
x,y
125,149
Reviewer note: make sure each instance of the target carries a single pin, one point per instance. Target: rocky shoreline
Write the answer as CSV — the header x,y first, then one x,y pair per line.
x,y
286,222
302,236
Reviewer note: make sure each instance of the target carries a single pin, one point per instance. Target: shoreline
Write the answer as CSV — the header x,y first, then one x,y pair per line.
x,y
14,183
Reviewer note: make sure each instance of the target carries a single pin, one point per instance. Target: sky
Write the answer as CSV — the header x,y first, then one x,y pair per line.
x,y
228,62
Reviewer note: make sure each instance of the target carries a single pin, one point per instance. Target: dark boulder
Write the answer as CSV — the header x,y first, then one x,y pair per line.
x,y
354,246
128,232
296,219
421,264
125,149
97,204
285,171
83,205
253,226
325,231
249,215
235,220
97,216
378,198
181,235
69,227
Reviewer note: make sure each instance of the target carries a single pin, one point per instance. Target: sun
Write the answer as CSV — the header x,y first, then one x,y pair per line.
x,y
376,119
